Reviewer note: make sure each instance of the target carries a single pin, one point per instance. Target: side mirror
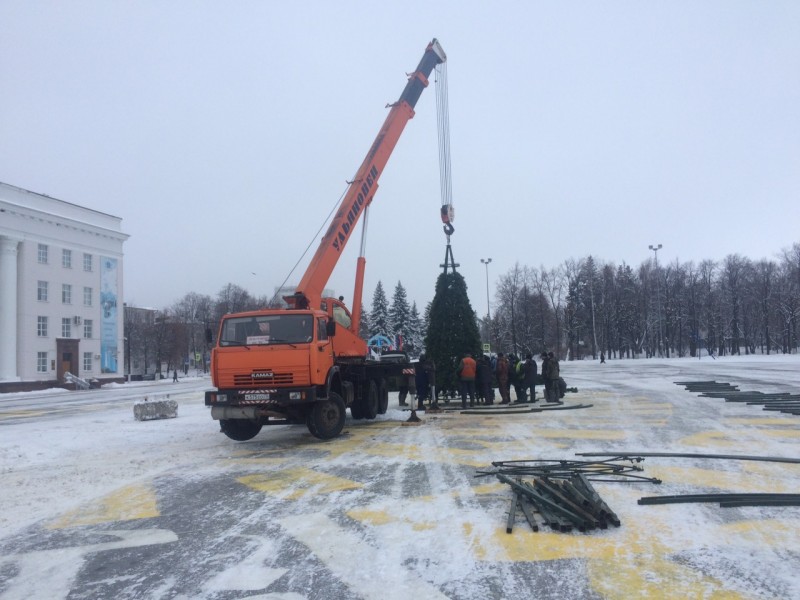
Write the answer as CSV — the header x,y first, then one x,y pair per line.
x,y
330,328
209,335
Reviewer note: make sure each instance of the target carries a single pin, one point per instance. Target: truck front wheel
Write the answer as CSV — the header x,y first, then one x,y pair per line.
x,y
326,418
240,430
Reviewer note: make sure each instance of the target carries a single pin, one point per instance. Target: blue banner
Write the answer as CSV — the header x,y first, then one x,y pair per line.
x,y
108,324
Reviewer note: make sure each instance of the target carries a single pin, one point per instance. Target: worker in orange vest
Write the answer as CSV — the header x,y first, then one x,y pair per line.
x,y
466,379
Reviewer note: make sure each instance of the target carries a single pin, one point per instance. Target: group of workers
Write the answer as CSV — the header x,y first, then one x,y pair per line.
x,y
476,379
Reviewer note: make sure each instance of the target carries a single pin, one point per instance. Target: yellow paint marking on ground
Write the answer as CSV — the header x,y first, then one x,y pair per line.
x,y
782,433
129,503
21,414
467,426
656,578
372,517
466,457
524,545
477,540
490,488
709,439
377,518
257,461
617,560
407,451
360,439
650,404
296,483
583,434
508,446
759,421
650,410
777,533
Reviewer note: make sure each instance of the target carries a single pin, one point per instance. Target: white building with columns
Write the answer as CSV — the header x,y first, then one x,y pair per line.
x,y
60,290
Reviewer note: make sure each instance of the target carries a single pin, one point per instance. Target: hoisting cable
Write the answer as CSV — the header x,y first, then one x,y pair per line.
x,y
443,130
313,239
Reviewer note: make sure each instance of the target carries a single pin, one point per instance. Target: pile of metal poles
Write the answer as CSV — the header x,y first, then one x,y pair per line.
x,y
778,401
559,494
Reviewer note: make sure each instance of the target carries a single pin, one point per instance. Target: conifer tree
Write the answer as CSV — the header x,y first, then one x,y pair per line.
x,y
453,329
379,315
399,313
416,333
364,327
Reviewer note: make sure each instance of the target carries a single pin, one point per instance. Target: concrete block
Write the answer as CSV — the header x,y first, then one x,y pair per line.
x,y
158,408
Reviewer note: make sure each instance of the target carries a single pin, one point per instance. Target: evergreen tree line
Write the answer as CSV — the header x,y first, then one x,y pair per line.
x,y
394,319
584,307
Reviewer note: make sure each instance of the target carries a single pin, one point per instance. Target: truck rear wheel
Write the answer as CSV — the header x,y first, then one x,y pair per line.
x,y
240,430
383,396
371,400
326,417
357,409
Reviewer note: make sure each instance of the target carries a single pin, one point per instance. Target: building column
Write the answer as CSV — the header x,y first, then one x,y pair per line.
x,y
8,309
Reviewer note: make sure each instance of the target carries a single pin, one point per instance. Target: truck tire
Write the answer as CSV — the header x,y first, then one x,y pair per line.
x,y
357,409
371,400
326,417
383,396
240,430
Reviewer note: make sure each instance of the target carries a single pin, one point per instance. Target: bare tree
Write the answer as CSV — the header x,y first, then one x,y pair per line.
x,y
508,295
553,284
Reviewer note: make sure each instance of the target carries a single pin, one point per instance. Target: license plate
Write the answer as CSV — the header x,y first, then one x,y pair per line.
x,y
256,396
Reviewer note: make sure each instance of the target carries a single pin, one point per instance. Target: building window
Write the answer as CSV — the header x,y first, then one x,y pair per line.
x,y
41,326
41,362
66,293
66,259
87,262
87,328
66,327
43,254
87,296
87,361
41,291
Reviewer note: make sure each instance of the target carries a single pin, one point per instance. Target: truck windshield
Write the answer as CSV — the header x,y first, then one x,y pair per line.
x,y
262,330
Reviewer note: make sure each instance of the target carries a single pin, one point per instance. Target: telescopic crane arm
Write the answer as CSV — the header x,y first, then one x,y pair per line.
x,y
362,189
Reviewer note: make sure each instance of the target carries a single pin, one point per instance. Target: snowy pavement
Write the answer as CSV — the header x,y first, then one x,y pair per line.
x,y
98,505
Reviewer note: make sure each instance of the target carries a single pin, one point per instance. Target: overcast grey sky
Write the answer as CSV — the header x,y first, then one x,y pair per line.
x,y
222,133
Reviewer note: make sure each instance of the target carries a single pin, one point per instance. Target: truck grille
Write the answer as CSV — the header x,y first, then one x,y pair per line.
x,y
277,379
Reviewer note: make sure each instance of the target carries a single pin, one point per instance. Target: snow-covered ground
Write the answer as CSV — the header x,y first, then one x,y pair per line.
x,y
393,511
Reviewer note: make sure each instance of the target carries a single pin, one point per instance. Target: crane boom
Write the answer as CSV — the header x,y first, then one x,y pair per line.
x,y
363,187
309,364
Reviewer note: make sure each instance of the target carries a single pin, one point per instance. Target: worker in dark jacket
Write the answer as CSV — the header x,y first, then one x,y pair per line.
x,y
484,380
552,375
466,379
545,360
529,377
422,380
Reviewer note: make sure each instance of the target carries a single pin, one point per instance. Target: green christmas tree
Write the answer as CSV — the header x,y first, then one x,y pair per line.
x,y
452,329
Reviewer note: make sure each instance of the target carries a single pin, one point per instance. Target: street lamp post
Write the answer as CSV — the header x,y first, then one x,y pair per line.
x,y
655,249
488,315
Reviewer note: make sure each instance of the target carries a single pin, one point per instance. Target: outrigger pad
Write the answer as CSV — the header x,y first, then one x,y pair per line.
x,y
155,409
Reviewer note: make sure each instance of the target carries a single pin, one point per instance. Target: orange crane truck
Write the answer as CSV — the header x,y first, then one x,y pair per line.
x,y
306,364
